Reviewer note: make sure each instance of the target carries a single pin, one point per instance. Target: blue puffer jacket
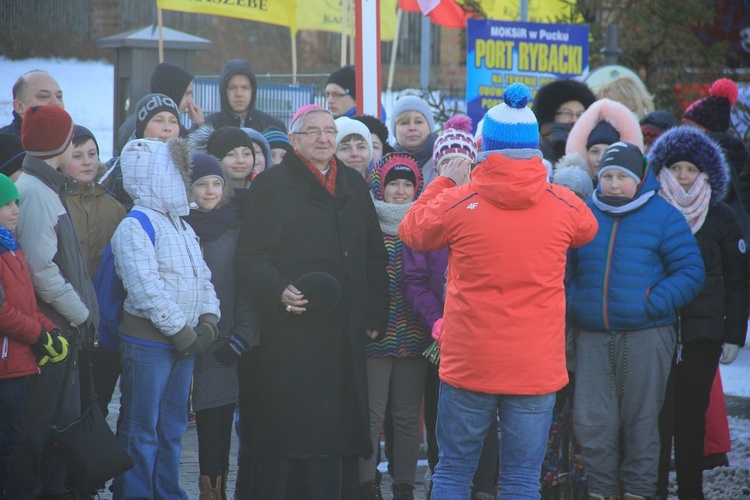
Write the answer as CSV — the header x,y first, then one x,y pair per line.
x,y
639,270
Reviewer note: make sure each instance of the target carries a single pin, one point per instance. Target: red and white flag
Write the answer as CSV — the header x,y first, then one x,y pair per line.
x,y
427,5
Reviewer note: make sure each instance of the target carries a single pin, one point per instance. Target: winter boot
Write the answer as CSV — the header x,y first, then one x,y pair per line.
x,y
370,491
403,491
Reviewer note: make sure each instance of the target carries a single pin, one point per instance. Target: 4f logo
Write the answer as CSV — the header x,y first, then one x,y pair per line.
x,y
472,206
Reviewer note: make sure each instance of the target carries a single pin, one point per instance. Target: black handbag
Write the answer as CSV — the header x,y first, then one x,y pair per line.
x,y
88,447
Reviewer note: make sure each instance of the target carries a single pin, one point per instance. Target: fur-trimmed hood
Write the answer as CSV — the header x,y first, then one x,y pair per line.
x,y
156,174
610,111
686,143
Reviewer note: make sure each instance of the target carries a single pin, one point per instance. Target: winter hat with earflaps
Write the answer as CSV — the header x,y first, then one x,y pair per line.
x,y
713,113
511,124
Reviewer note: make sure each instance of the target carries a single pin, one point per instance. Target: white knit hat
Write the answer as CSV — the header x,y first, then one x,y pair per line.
x,y
346,127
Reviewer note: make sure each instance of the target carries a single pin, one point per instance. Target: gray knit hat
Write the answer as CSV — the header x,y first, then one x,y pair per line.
x,y
576,179
410,100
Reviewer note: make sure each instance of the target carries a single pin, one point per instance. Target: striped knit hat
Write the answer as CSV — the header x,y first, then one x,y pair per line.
x,y
455,141
511,124
46,131
277,139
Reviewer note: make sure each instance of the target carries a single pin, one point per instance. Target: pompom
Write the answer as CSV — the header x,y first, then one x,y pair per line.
x,y
517,96
458,122
725,88
414,92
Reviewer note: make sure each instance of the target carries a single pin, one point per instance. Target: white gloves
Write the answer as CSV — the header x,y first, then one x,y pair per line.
x,y
729,353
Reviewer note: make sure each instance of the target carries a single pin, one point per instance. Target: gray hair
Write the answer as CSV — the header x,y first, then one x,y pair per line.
x,y
297,124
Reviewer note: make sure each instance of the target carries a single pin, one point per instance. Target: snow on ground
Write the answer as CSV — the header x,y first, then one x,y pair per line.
x,y
736,377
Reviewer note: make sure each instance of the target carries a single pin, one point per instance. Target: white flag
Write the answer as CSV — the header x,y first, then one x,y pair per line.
x,y
427,5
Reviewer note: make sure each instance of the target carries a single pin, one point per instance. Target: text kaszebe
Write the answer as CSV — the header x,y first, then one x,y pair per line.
x,y
252,4
541,57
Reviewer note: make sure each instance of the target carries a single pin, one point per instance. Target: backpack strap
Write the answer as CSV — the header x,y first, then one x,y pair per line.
x,y
145,223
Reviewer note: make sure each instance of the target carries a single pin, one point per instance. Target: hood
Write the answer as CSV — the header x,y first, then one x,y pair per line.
x,y
510,184
231,68
258,138
613,113
690,144
156,174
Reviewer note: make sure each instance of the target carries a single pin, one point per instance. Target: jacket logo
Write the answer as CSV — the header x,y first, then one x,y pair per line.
x,y
472,206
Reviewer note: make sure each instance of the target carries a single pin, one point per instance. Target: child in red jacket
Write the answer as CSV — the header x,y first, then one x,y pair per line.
x,y
26,343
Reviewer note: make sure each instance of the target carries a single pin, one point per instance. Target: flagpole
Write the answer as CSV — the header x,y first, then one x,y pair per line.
x,y
352,39
161,35
294,56
344,24
394,51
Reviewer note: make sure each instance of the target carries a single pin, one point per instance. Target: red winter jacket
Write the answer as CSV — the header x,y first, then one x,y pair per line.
x,y
508,232
21,320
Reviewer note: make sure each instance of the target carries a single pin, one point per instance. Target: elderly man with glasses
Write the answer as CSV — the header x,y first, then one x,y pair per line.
x,y
311,254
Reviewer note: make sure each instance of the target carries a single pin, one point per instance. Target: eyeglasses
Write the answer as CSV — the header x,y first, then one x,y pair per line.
x,y
569,115
336,95
317,132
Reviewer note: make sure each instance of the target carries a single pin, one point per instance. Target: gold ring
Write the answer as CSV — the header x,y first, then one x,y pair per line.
x,y
288,308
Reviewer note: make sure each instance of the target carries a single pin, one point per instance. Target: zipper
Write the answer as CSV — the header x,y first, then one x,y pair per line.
x,y
607,270
5,348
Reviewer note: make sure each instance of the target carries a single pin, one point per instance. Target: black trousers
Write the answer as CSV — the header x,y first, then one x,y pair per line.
x,y
683,417
214,426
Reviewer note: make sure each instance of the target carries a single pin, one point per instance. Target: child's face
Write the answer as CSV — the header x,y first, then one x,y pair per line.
x,y
412,130
238,164
617,183
207,193
594,156
162,126
84,164
277,154
354,153
260,159
377,148
685,172
9,215
399,192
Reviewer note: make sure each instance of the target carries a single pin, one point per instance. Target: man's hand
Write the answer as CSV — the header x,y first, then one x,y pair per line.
x,y
729,353
458,170
293,300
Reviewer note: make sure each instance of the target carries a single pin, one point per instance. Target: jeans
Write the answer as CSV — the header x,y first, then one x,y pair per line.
x,y
463,420
155,382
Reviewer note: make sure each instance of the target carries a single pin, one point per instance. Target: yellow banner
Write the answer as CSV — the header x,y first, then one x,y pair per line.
x,y
540,11
280,12
326,15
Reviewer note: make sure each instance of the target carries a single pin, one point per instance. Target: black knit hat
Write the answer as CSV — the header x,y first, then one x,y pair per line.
x,y
149,106
11,154
321,290
713,113
225,139
550,97
624,157
378,128
82,133
344,78
603,133
171,80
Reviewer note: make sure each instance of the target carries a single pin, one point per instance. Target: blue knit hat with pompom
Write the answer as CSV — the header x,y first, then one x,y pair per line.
x,y
511,125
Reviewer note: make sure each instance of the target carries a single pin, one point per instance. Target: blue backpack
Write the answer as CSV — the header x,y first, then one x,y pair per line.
x,y
110,293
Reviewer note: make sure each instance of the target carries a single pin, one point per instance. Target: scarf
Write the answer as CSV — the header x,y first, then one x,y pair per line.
x,y
210,225
618,206
7,239
423,154
390,215
328,180
693,203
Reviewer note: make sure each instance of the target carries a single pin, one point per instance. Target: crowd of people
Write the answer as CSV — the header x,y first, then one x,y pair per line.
x,y
548,298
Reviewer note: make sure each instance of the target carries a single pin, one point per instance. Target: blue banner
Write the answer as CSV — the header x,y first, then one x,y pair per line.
x,y
500,53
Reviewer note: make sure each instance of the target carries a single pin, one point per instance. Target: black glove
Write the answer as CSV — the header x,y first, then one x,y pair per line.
x,y
50,347
230,352
204,335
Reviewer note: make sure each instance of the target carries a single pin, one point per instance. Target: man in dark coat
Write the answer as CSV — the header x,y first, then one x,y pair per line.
x,y
303,391
33,88
238,89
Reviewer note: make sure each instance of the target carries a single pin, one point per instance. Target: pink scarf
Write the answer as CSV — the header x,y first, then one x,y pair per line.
x,y
693,203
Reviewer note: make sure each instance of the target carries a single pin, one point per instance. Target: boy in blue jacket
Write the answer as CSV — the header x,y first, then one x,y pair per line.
x,y
625,289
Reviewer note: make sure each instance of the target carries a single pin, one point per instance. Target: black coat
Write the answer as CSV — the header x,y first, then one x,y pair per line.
x,y
719,312
303,390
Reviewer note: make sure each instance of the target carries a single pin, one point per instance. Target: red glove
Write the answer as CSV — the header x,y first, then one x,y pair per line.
x,y
436,326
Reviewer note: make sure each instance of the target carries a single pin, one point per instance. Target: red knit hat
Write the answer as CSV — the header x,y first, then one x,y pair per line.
x,y
46,131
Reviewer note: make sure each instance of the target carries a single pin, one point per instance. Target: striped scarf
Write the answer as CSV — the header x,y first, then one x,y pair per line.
x,y
405,335
328,180
693,203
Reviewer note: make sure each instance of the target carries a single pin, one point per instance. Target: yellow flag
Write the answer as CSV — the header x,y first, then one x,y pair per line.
x,y
280,12
540,11
326,15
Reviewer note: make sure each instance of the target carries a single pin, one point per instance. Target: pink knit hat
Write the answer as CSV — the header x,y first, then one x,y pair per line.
x,y
304,110
455,141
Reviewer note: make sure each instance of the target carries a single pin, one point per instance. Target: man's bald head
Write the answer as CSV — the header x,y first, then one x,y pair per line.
x,y
36,88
